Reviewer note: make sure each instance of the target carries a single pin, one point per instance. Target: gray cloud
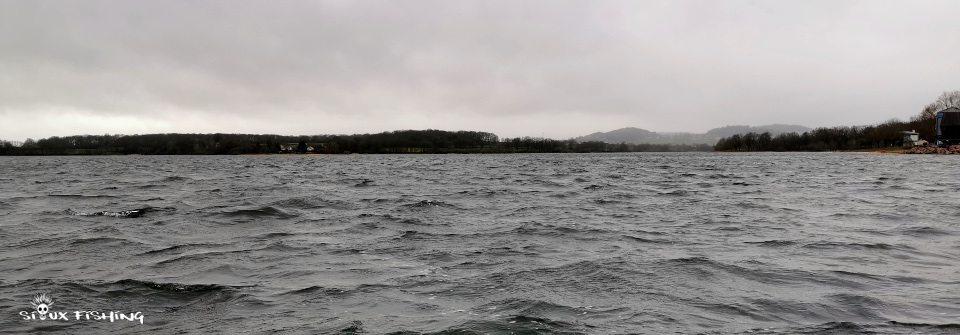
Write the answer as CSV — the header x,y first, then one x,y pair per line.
x,y
562,68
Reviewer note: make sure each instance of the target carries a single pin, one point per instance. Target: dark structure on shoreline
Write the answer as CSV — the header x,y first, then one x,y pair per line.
x,y
948,126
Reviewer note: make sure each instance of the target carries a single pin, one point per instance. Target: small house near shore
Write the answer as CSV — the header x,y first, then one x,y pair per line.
x,y
948,126
911,138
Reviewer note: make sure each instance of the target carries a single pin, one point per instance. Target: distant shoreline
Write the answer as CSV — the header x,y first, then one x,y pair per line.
x,y
428,141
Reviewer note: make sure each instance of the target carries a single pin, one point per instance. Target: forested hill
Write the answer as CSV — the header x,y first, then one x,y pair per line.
x,y
627,135
403,141
773,129
637,135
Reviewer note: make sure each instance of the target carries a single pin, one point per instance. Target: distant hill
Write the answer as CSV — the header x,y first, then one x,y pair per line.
x,y
628,135
774,129
637,135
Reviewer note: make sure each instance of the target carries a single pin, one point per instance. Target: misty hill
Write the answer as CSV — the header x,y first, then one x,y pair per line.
x,y
774,129
636,135
628,135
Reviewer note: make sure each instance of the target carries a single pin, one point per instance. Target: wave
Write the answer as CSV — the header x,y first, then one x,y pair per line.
x,y
301,203
172,287
536,228
773,243
914,325
429,204
122,286
709,269
566,194
676,193
100,242
324,293
645,240
176,178
601,201
857,245
925,231
256,213
418,235
81,196
392,219
486,192
134,213
517,324
751,205
525,316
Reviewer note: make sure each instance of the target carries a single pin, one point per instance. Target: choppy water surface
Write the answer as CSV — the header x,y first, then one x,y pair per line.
x,y
557,243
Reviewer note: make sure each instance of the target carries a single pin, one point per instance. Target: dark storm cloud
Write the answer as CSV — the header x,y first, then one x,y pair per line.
x,y
570,67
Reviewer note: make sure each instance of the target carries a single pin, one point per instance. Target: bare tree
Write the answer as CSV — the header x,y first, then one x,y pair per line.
x,y
946,100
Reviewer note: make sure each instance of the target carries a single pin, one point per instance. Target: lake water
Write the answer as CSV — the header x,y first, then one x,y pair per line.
x,y
648,243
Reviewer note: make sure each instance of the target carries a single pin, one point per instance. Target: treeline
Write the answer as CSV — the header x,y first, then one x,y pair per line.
x,y
404,141
821,139
886,134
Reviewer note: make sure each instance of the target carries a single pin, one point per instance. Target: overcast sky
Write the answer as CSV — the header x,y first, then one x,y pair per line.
x,y
554,68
